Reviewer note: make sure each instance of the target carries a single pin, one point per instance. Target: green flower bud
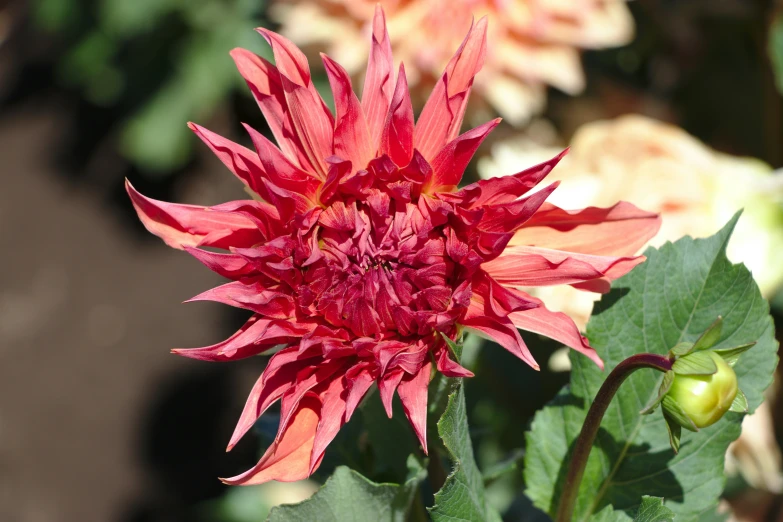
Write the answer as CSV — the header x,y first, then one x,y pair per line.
x,y
706,398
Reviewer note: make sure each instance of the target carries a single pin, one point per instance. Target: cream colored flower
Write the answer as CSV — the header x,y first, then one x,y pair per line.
x,y
531,43
661,168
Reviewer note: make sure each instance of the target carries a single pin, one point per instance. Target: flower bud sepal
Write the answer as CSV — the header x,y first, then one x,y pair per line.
x,y
701,386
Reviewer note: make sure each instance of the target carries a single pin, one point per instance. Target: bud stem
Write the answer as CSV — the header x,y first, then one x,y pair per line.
x,y
584,442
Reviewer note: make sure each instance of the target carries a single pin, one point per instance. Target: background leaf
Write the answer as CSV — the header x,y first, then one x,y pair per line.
x,y
349,497
653,510
462,496
673,297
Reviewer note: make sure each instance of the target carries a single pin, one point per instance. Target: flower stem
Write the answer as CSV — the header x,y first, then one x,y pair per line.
x,y
584,442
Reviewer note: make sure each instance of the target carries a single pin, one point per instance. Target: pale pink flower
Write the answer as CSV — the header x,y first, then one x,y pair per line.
x,y
533,44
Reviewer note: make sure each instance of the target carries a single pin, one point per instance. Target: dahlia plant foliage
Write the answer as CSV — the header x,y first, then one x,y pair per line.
x,y
364,263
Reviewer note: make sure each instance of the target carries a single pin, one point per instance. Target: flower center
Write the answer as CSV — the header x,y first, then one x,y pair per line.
x,y
382,270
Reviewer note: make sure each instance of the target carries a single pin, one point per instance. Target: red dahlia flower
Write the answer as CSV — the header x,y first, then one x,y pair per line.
x,y
360,253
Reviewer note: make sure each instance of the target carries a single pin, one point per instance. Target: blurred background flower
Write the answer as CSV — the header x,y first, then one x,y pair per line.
x,y
532,44
663,169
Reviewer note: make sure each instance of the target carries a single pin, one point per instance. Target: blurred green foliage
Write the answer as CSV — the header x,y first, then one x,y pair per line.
x,y
165,61
776,48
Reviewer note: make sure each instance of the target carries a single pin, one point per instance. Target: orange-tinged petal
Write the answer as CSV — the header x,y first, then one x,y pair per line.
x,y
288,458
620,230
278,377
534,266
557,326
503,332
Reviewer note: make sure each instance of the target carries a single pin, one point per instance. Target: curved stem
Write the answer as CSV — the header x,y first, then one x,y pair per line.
x,y
584,442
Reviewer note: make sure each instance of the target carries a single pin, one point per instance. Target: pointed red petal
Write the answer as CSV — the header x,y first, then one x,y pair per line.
x,y
492,299
290,61
506,189
387,385
351,135
311,118
620,230
264,81
450,163
280,171
413,395
313,123
503,332
397,134
508,217
240,345
243,162
251,295
278,377
288,458
379,79
182,226
441,117
332,418
360,380
448,367
256,336
230,266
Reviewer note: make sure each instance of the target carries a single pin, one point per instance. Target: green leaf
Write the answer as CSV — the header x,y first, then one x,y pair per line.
x,y
666,384
696,363
673,297
462,496
349,497
454,347
653,510
740,403
710,336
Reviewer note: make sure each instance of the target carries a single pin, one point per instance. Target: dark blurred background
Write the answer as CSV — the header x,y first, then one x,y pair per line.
x,y
98,421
